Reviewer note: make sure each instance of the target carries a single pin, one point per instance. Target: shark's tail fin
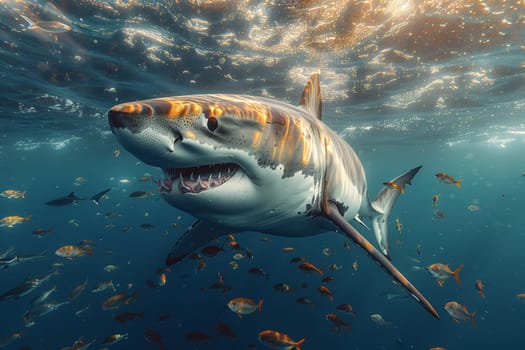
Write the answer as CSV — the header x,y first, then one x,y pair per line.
x,y
384,203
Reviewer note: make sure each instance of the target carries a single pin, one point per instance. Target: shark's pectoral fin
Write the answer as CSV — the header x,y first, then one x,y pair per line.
x,y
196,236
332,213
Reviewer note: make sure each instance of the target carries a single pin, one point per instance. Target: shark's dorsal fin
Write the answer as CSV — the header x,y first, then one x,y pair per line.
x,y
311,97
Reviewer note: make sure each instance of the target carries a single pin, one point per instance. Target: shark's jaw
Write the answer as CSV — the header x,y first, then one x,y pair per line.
x,y
196,179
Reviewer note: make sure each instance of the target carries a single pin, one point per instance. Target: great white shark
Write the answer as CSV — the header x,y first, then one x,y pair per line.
x,y
245,163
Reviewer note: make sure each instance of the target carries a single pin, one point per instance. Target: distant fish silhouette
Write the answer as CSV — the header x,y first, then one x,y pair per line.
x,y
70,198
95,199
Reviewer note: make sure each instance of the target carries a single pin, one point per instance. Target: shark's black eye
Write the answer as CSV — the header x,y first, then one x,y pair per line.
x,y
212,123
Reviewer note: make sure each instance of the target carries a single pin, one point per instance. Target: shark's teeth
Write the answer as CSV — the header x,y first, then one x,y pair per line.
x,y
197,179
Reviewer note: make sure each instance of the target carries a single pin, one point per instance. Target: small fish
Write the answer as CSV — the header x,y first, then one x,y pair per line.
x,y
257,271
211,250
435,200
112,214
225,330
43,297
7,340
328,279
445,178
418,249
147,226
459,312
277,340
110,268
81,311
438,215
327,292
327,251
346,245
238,256
399,226
395,186
13,194
480,288
153,336
338,322
379,320
115,338
346,308
80,344
288,249
163,279
73,251
114,301
335,267
197,337
442,272
296,260
116,152
473,207
102,286
40,231
305,301
355,265
51,27
244,306
140,194
202,264
97,197
306,266
75,293
521,297
124,317
10,221
235,245
283,287
61,201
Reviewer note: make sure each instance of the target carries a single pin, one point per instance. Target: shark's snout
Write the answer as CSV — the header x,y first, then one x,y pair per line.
x,y
131,116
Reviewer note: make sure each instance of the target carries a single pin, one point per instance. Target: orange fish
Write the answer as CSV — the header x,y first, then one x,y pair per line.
x,y
443,272
244,306
13,194
445,178
338,322
10,221
325,291
480,287
395,186
521,297
459,312
438,348
162,279
306,266
281,341
114,301
73,251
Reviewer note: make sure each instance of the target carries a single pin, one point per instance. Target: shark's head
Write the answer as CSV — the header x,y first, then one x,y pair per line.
x,y
220,154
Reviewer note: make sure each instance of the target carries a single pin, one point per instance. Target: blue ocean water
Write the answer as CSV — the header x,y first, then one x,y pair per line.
x,y
406,83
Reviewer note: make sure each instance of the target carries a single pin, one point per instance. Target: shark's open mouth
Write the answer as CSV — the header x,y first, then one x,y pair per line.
x,y
197,179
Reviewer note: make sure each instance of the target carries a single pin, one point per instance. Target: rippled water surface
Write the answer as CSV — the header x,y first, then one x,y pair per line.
x,y
405,82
